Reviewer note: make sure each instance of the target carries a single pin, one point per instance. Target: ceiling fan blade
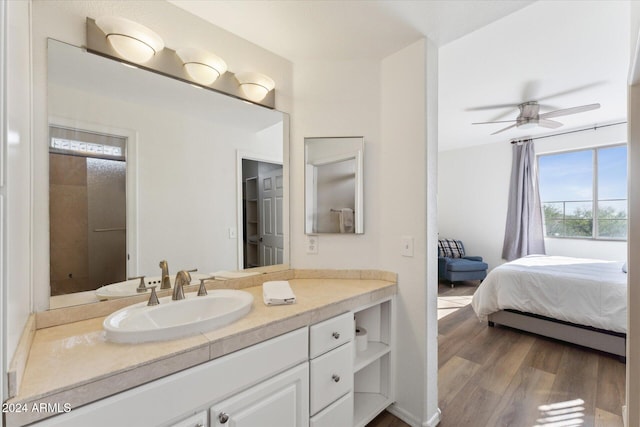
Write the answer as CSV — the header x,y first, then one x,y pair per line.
x,y
572,90
507,128
567,111
492,107
551,124
488,123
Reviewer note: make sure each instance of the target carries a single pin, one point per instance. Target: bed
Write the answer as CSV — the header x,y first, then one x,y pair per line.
x,y
578,300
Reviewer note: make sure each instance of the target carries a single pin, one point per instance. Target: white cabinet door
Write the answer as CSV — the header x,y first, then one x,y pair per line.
x,y
196,420
281,401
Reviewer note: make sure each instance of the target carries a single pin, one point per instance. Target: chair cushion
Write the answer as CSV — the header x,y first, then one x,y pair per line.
x,y
450,248
460,264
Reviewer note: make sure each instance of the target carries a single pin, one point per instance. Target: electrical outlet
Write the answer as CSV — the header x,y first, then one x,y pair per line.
x,y
407,246
312,244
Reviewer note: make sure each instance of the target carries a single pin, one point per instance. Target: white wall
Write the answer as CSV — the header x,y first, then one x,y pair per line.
x,y
339,98
473,188
16,188
385,103
65,21
407,204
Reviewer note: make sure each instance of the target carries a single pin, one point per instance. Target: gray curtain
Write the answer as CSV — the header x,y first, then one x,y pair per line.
x,y
523,233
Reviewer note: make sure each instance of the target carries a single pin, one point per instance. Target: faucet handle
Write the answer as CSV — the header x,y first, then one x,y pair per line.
x,y
189,275
202,290
141,286
153,299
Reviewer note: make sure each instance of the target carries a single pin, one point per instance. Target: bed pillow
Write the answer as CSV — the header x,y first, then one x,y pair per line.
x,y
624,267
450,248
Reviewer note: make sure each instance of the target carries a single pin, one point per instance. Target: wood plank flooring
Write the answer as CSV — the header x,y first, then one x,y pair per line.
x,y
503,377
495,377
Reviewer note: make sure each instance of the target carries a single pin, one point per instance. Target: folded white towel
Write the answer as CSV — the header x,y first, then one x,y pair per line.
x,y
277,292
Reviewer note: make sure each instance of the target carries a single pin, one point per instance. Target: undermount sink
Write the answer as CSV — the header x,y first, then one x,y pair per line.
x,y
128,287
176,319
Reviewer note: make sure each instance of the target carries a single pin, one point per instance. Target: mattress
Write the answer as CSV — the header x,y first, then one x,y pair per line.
x,y
584,291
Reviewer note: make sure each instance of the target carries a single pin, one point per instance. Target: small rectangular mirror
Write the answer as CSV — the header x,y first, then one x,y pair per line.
x,y
334,185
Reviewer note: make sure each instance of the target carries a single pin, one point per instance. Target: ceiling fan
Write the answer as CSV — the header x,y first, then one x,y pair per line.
x,y
530,116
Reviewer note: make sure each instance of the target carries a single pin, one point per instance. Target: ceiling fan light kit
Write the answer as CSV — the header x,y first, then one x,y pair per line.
x,y
530,116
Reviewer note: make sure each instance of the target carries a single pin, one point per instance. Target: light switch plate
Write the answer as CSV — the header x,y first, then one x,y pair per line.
x,y
232,233
407,246
312,244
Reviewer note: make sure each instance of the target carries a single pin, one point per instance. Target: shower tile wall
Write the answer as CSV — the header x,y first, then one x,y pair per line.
x,y
68,207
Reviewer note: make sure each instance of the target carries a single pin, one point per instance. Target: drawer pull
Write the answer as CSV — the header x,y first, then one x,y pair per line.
x,y
336,335
335,378
223,417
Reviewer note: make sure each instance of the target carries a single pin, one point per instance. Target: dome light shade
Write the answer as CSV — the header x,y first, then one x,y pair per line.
x,y
131,40
255,85
204,67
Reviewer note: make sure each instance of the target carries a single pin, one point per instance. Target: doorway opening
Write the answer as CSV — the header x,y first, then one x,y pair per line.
x,y
262,213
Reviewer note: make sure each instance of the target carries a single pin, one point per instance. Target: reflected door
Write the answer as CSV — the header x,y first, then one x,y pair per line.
x,y
107,221
270,199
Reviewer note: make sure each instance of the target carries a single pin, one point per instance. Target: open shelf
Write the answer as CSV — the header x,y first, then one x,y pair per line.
x,y
367,406
374,351
251,215
373,373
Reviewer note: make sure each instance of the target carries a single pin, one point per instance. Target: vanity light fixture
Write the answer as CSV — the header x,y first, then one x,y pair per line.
x,y
131,40
255,85
204,67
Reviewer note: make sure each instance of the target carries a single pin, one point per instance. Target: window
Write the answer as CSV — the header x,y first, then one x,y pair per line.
x,y
584,193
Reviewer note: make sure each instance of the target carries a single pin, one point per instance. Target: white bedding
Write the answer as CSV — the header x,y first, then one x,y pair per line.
x,y
583,291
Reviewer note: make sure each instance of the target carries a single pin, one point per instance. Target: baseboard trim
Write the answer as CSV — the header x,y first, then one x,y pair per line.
x,y
404,415
434,420
412,420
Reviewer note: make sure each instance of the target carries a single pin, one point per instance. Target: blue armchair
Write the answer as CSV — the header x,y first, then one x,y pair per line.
x,y
455,266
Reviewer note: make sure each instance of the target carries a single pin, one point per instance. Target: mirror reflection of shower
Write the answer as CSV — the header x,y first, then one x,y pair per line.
x,y
87,210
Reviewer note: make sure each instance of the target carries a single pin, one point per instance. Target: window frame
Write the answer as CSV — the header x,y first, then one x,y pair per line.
x,y
594,194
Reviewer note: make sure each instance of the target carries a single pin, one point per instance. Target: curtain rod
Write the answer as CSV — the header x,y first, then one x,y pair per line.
x,y
595,127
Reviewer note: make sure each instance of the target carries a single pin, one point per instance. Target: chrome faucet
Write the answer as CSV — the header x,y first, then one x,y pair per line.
x,y
182,278
166,282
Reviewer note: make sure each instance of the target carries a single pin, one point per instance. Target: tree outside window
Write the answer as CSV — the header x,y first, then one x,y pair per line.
x,y
584,193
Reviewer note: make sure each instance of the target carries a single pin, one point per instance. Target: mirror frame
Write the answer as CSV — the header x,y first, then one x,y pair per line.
x,y
359,183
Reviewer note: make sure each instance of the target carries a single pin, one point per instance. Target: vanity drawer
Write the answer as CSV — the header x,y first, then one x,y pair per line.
x,y
330,334
331,376
339,413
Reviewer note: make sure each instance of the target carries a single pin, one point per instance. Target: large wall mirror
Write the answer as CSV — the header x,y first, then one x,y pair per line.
x,y
334,185
145,168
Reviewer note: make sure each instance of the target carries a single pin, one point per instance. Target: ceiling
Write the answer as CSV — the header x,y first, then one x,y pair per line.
x,y
562,53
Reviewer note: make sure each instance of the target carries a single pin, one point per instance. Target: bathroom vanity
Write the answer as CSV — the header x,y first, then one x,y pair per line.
x,y
290,365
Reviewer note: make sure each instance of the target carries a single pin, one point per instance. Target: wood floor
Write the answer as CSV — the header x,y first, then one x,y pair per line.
x,y
494,377
503,377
